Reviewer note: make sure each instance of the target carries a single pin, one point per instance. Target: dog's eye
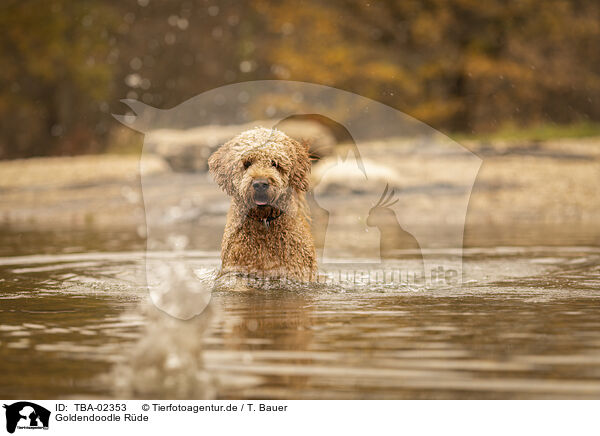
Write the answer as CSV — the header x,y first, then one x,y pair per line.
x,y
247,164
274,164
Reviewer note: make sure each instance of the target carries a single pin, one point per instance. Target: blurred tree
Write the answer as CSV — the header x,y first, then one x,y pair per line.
x,y
459,65
53,76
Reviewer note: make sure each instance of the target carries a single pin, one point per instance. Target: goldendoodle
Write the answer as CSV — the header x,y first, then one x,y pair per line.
x,y
265,172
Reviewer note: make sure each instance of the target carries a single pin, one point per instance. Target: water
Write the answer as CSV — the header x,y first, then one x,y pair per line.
x,y
75,322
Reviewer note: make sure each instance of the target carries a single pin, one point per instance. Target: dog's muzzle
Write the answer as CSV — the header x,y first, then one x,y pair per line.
x,y
261,191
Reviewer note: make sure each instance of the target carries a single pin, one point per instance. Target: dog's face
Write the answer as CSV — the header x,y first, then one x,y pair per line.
x,y
261,167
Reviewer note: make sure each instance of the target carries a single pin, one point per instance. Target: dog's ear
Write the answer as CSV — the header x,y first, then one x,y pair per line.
x,y
220,166
301,168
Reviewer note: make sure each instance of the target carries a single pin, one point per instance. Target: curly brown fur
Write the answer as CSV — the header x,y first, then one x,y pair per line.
x,y
267,231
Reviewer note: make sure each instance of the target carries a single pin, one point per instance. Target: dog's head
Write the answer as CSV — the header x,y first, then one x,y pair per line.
x,y
261,167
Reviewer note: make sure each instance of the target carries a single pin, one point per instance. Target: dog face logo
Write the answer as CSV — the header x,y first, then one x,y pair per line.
x,y
26,415
390,193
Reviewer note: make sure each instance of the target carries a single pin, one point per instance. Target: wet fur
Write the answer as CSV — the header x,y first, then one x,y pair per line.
x,y
273,240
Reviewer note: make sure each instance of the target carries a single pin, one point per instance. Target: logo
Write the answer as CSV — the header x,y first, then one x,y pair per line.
x,y
388,194
26,415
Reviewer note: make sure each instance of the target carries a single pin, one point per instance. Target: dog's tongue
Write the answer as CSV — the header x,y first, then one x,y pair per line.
x,y
260,203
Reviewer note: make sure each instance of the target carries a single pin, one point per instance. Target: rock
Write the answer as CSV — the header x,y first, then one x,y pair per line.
x,y
320,140
332,175
188,150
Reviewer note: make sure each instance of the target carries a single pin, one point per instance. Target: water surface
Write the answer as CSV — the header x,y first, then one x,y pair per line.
x,y
74,322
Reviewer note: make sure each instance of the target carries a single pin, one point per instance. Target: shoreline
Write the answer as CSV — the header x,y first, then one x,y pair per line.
x,y
551,183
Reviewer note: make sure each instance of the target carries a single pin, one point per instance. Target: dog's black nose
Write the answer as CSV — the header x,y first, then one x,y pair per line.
x,y
260,185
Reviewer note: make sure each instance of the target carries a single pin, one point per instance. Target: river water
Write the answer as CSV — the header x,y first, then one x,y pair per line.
x,y
75,322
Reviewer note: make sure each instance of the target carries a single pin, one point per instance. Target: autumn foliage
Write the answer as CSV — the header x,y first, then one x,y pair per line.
x,y
458,65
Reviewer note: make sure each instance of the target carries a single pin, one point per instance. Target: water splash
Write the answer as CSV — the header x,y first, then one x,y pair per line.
x,y
167,361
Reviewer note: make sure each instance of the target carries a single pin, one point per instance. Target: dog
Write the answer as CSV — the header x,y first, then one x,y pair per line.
x,y
266,174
